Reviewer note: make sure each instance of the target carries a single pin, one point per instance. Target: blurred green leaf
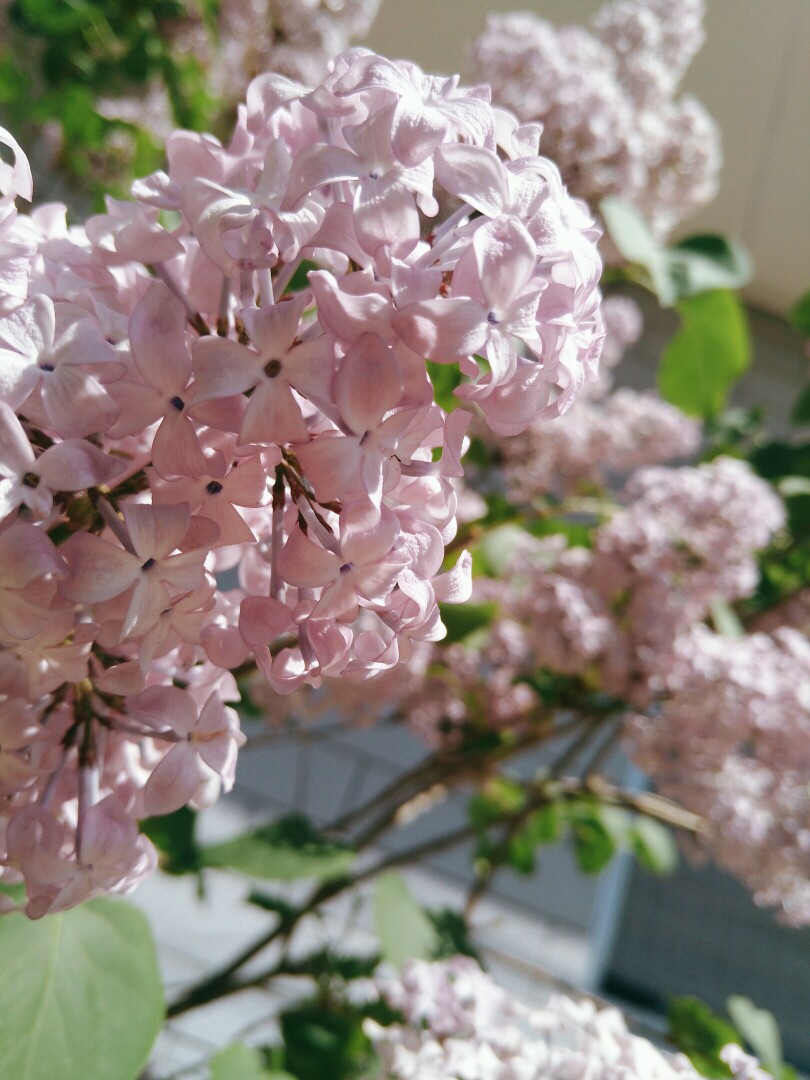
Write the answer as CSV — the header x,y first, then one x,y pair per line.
x,y
594,843
632,236
241,1062
799,316
324,1040
404,930
800,413
725,618
462,620
759,1029
701,1034
653,846
708,261
445,379
285,850
707,355
173,836
452,935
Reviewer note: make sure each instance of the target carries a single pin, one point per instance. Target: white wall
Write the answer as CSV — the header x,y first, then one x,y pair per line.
x,y
754,77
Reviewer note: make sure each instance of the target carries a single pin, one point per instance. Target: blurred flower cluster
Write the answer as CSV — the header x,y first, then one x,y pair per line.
x,y
608,100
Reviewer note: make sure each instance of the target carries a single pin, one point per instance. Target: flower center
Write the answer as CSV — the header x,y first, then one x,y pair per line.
x,y
31,480
178,403
214,487
272,368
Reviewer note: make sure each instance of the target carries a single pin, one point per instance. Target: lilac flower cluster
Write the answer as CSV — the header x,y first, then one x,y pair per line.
x,y
607,101
230,372
731,741
616,610
459,1025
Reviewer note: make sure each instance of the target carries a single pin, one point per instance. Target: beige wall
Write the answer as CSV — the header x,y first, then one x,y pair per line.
x,y
754,77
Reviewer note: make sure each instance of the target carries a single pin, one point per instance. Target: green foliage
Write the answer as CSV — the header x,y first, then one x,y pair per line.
x,y
300,279
462,620
694,265
452,935
653,846
445,379
799,316
325,1039
725,619
708,261
173,836
760,1030
700,1034
77,51
284,850
594,840
707,355
403,927
80,994
241,1062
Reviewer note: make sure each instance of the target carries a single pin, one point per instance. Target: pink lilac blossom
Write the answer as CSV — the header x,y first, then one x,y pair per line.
x,y
615,611
598,442
731,741
247,389
459,1025
607,100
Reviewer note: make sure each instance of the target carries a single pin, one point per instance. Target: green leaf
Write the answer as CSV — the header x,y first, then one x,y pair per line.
x,y
324,1040
80,994
799,315
445,379
462,620
653,846
300,279
285,850
594,843
701,1034
241,1062
708,261
759,1029
707,355
495,549
452,935
725,618
545,826
405,931
173,836
632,236
800,414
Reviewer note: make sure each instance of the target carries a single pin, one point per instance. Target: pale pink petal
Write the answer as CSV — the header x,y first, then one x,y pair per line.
x,y
475,175
174,781
76,464
445,330
76,403
262,619
222,368
161,707
157,333
330,465
368,384
304,564
98,570
455,586
156,531
16,455
273,415
176,449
